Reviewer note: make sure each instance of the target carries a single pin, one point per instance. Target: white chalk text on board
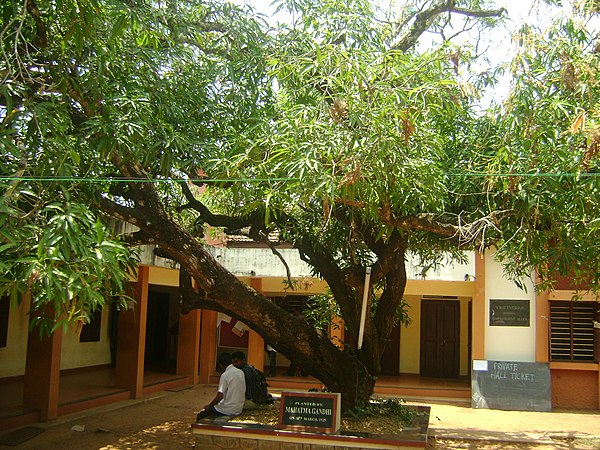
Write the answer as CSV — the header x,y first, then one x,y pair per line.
x,y
506,370
511,385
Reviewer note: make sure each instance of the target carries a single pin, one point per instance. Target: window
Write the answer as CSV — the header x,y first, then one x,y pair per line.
x,y
91,331
4,310
572,330
294,304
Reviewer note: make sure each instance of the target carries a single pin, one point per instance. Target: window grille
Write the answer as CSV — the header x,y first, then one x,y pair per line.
x,y
572,330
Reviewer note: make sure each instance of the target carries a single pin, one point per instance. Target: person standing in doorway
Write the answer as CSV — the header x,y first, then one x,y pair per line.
x,y
272,360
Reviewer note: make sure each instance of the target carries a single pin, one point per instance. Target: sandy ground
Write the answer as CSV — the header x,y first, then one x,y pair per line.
x,y
162,421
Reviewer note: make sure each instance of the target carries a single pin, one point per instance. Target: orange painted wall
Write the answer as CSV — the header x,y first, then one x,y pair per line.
x,y
574,389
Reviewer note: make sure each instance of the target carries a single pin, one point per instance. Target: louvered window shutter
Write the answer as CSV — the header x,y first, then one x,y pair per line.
x,y
572,330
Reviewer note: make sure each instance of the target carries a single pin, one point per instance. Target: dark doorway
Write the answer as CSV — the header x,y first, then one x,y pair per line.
x,y
157,332
440,338
390,360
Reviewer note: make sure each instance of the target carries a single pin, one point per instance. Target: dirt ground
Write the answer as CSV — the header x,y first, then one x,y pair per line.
x,y
162,421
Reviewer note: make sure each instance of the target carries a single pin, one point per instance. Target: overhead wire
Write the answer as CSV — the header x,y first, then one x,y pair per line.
x,y
251,180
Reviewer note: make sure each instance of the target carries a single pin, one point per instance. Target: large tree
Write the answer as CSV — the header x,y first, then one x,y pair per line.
x,y
351,132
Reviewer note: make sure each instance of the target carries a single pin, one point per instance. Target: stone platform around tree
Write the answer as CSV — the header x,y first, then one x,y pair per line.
x,y
218,435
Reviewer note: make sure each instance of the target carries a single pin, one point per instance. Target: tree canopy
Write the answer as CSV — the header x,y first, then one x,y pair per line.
x,y
347,131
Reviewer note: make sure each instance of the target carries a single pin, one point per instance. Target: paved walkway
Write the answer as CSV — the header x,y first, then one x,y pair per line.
x,y
162,421
548,428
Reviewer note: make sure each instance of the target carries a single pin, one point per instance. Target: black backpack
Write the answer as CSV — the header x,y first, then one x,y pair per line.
x,y
257,390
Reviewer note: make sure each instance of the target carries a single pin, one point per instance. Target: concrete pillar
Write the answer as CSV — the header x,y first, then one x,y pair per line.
x,y
188,345
131,339
208,345
42,372
256,350
256,343
542,327
478,309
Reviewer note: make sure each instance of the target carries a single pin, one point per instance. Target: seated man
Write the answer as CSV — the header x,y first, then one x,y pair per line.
x,y
256,384
230,397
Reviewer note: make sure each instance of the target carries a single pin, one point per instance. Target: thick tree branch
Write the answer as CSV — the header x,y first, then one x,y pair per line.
x,y
425,19
472,234
385,252
335,277
257,231
121,212
482,14
424,222
218,220
395,283
41,39
189,296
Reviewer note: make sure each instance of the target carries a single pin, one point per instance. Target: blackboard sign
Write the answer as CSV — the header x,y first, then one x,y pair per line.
x,y
310,411
518,386
509,313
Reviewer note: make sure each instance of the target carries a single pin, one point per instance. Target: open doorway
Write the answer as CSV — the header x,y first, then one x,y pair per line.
x,y
162,326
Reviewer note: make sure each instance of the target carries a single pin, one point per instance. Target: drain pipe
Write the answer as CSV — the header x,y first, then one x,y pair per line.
x,y
363,313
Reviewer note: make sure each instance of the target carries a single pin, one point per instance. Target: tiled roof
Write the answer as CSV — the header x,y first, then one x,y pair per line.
x,y
233,240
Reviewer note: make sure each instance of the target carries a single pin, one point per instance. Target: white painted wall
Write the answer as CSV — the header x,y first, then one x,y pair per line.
x,y
261,261
450,271
507,343
83,354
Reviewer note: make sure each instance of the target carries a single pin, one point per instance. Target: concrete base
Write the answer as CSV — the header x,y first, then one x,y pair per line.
x,y
212,435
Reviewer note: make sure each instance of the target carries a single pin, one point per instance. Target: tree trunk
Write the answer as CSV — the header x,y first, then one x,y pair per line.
x,y
353,374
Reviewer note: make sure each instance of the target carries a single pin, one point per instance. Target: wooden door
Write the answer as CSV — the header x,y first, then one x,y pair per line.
x,y
440,338
390,360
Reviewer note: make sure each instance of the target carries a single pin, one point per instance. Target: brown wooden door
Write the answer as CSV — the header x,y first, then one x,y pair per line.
x,y
390,360
440,338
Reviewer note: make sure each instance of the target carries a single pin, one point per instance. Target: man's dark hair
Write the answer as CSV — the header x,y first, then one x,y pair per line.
x,y
224,359
238,355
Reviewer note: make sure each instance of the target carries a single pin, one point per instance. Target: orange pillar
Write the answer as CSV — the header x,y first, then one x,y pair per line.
x,y
42,373
256,343
188,345
256,350
129,370
542,331
208,345
478,309
336,332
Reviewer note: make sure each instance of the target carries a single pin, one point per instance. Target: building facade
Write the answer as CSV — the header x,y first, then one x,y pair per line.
x,y
460,314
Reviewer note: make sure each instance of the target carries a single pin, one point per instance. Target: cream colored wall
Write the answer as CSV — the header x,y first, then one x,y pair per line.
x,y
83,354
439,287
410,337
162,276
277,286
507,343
13,356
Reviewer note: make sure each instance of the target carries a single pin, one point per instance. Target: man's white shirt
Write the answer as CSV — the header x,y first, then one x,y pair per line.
x,y
232,385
